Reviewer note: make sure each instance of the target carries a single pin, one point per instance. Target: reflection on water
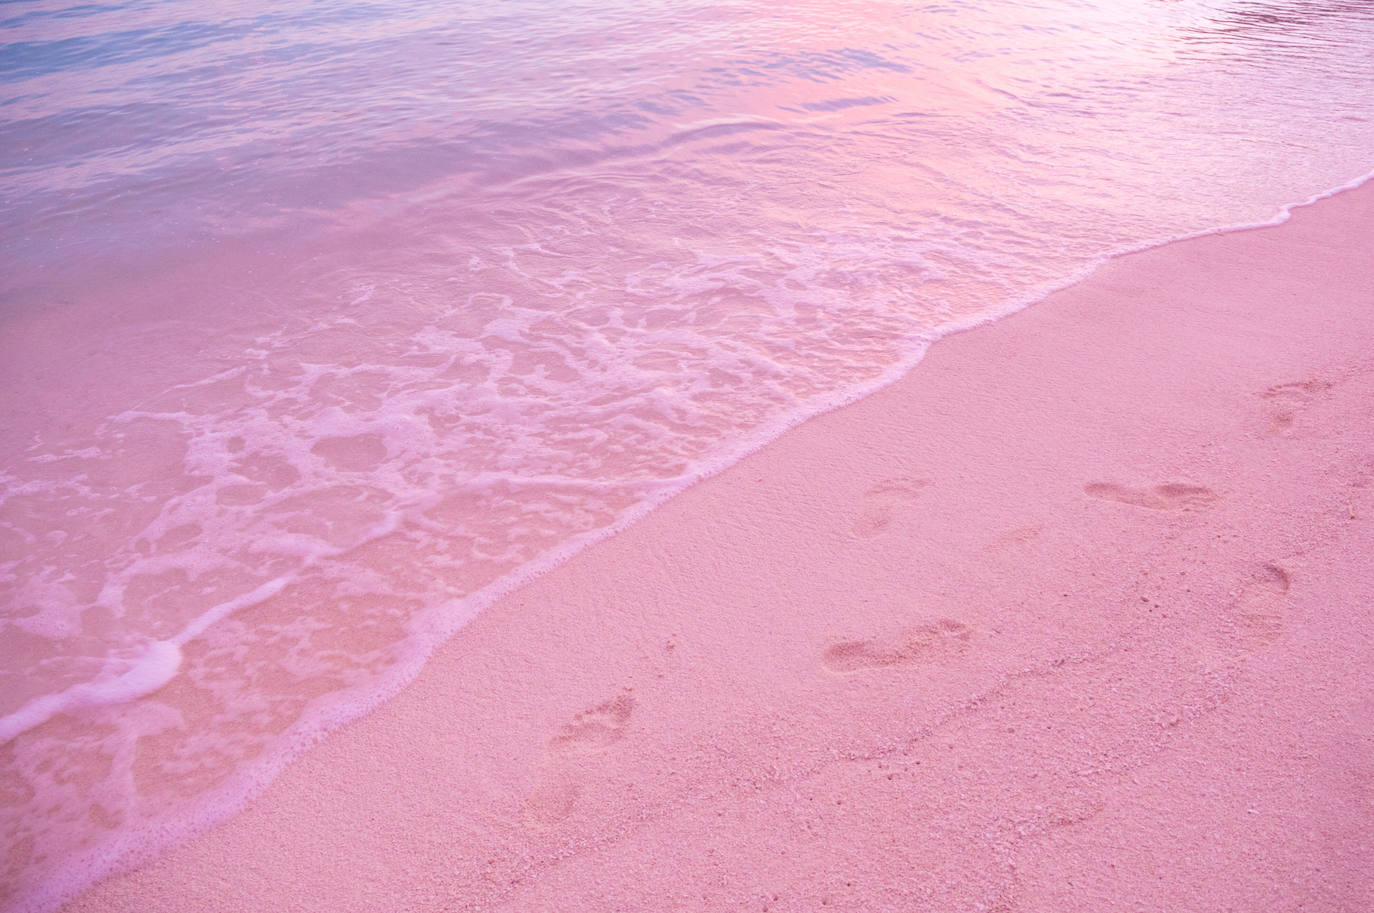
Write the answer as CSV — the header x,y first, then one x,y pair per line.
x,y
1278,33
323,324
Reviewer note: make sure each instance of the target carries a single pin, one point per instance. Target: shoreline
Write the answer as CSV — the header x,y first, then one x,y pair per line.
x,y
768,661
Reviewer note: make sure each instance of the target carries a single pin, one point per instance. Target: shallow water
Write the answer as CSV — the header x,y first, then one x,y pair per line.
x,y
325,323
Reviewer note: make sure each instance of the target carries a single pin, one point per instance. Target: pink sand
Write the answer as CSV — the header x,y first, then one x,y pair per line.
x,y
1075,617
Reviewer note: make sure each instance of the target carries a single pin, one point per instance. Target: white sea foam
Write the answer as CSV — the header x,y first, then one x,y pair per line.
x,y
141,676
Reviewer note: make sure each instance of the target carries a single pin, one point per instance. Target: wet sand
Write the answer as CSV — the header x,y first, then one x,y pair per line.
x,y
1079,616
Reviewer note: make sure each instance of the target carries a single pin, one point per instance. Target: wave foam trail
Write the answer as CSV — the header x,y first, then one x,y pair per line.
x,y
148,673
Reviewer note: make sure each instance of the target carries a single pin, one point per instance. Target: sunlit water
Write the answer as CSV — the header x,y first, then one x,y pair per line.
x,y
324,323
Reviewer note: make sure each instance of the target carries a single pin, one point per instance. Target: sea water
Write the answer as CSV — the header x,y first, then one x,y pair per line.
x,y
324,323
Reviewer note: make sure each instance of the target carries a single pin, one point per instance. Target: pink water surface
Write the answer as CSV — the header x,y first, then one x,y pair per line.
x,y
323,324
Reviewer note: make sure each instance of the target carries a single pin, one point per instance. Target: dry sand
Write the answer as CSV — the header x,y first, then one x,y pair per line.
x,y
1079,616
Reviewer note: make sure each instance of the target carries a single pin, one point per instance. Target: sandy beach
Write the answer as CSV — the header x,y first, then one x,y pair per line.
x,y
1078,616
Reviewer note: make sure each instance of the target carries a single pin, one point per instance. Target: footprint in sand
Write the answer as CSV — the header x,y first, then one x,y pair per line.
x,y
1284,401
883,502
1169,496
1019,536
1258,612
587,734
927,643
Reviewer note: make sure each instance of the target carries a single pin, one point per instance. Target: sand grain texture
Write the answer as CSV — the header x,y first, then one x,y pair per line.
x,y
1076,617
